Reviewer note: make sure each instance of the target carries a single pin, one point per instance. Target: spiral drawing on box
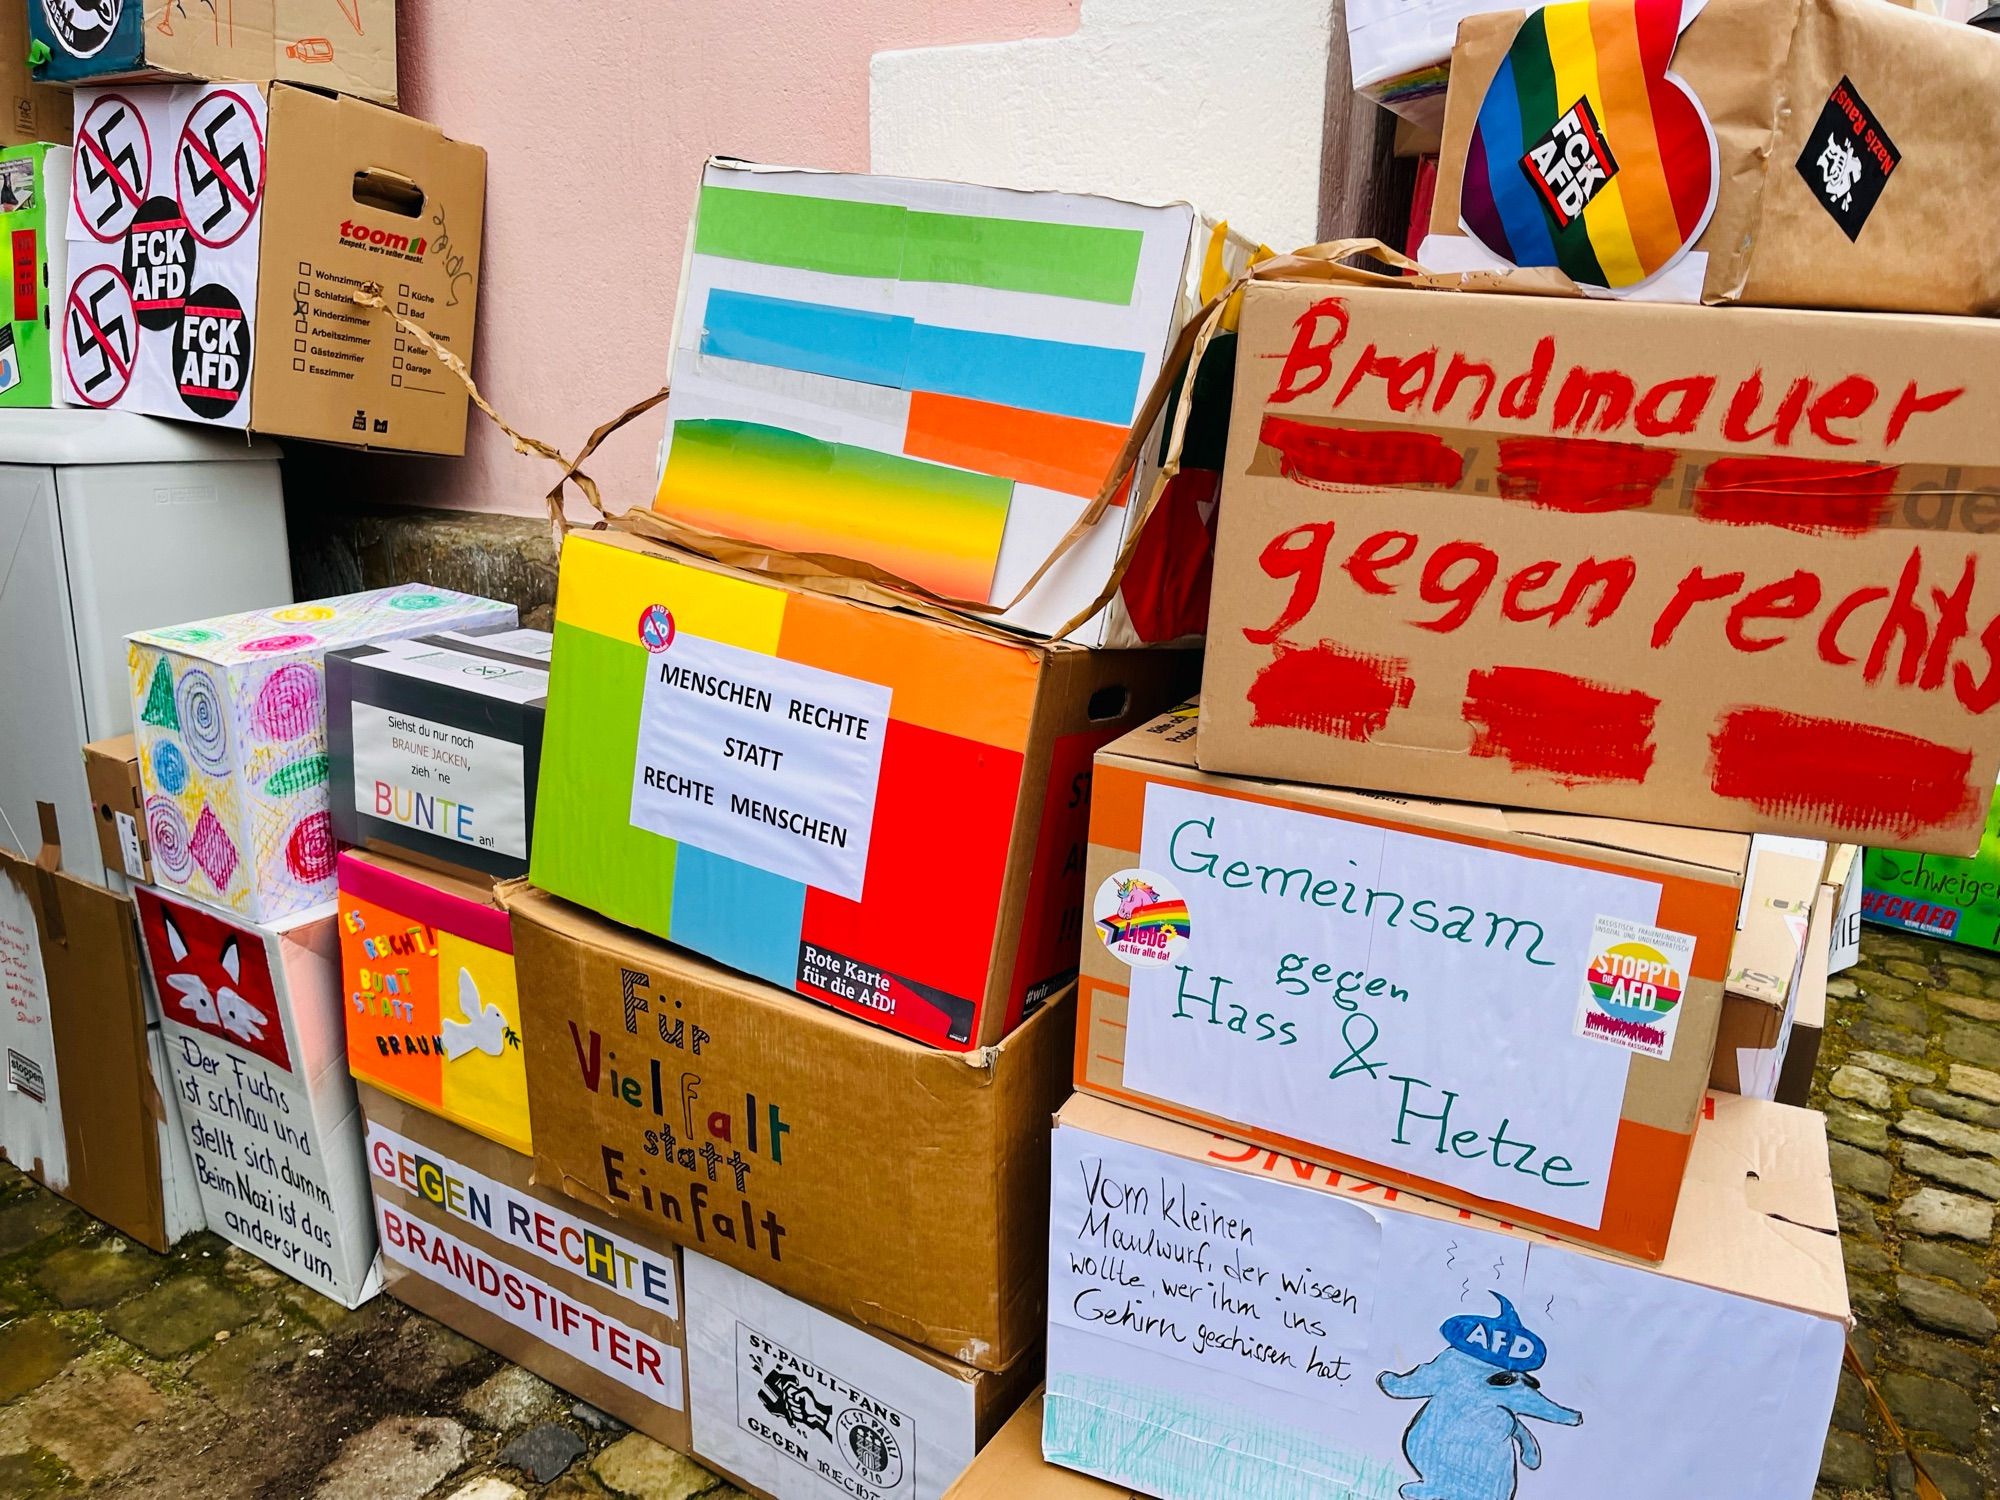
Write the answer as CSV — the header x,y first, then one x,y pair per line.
x,y
1469,1439
214,977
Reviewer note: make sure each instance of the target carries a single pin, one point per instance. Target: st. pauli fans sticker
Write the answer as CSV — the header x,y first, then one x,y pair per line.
x,y
1632,986
163,250
1584,100
1141,919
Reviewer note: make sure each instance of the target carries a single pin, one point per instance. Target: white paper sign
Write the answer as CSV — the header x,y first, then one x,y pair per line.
x,y
1845,950
128,845
1212,1268
1401,999
630,1357
803,1405
760,760
31,1125
266,1183
642,1276
163,237
448,782
539,644
504,680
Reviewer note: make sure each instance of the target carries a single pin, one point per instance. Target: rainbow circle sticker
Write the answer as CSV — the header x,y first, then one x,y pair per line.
x,y
1633,986
656,627
1141,919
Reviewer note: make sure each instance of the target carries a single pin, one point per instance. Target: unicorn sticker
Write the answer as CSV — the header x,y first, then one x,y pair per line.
x,y
1470,1439
1141,918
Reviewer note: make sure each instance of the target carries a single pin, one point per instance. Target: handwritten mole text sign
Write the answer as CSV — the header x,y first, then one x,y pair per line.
x,y
1213,1268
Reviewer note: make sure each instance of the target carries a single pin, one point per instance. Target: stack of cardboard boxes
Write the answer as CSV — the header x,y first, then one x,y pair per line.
x,y
1408,1129
243,176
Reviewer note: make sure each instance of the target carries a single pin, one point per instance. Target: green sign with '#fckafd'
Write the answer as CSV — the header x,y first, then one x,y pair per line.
x,y
1936,894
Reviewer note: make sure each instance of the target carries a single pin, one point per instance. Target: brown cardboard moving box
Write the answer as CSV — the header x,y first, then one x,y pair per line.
x,y
1727,568
888,1182
1766,965
1850,134
343,46
111,770
85,1107
467,1238
1512,1011
1011,1467
240,312
33,111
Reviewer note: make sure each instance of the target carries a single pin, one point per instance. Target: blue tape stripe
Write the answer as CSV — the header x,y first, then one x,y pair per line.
x,y
1074,380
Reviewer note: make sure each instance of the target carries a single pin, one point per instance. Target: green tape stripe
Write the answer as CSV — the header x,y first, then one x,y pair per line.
x,y
1088,262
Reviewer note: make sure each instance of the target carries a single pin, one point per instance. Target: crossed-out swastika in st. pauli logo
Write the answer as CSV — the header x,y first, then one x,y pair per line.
x,y
114,164
219,168
100,336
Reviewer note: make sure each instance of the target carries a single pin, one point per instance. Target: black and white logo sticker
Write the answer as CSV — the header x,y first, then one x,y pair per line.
x,y
869,1448
82,26
114,162
219,168
1848,159
212,351
1571,163
159,262
100,336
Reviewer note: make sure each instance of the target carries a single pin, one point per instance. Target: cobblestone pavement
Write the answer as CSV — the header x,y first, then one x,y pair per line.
x,y
1909,1076
206,1373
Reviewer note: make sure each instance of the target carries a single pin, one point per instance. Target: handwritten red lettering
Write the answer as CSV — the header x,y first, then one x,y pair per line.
x,y
1300,555
1309,364
1384,550
1697,588
1791,598
1463,593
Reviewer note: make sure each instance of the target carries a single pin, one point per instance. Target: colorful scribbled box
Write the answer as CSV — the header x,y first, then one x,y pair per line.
x,y
935,378
877,809
230,717
433,1016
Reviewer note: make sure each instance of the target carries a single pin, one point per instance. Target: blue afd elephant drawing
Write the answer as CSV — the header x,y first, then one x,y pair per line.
x,y
1469,1440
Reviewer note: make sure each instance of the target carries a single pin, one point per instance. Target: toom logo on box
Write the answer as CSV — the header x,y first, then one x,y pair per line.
x,y
384,241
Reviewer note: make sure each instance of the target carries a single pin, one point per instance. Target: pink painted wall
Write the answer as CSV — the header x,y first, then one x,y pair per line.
x,y
596,119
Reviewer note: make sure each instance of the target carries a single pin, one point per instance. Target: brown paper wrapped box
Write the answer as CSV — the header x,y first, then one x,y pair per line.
x,y
1767,75
1728,568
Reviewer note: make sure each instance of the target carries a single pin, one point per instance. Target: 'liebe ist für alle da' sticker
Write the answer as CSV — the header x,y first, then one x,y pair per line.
x,y
1141,918
1590,155
1633,986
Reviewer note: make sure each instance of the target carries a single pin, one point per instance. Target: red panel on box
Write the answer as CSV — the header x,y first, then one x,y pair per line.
x,y
936,860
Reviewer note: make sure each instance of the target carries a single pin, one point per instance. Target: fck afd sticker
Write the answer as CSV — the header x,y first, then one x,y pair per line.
x,y
1633,986
1848,159
1571,164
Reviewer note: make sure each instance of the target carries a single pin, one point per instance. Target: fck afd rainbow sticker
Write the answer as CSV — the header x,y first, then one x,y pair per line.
x,y
1633,986
1589,154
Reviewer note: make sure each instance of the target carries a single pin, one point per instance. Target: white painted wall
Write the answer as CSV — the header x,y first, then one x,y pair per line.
x,y
1220,102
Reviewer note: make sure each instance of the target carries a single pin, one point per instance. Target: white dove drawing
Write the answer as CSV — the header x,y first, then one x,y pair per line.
x,y
483,1032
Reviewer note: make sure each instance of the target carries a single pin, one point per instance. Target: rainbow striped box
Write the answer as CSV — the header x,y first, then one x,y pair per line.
x,y
230,719
936,379
874,809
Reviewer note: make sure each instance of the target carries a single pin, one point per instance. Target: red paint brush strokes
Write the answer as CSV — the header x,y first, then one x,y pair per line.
x,y
1583,476
1360,457
1572,728
1330,690
1799,494
1858,777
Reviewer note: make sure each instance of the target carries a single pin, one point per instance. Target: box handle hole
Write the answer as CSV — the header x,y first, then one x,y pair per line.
x,y
378,187
1109,703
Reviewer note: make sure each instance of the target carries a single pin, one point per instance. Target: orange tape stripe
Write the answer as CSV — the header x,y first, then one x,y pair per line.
x,y
1058,453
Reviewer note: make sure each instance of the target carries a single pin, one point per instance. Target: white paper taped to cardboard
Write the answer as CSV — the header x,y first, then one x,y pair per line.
x,y
452,783
803,1405
770,762
616,1262
460,669
31,1123
590,1337
1380,992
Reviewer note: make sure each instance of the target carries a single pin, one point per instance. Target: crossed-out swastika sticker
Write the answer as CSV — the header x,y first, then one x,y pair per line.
x,y
114,164
219,168
100,336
